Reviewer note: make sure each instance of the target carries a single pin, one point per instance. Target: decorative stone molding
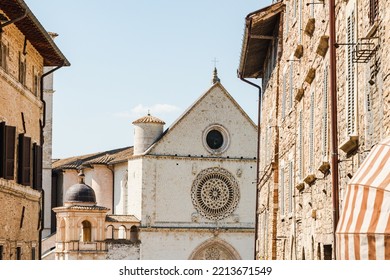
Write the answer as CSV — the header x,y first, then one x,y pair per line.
x,y
310,75
309,179
323,45
300,186
299,94
324,167
350,144
310,26
298,51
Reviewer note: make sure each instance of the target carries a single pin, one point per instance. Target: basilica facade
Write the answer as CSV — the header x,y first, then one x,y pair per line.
x,y
186,192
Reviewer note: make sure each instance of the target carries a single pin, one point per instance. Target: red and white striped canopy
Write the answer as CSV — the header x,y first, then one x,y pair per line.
x,y
363,231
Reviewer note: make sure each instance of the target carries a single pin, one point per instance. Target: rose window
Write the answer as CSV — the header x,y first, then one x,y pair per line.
x,y
215,193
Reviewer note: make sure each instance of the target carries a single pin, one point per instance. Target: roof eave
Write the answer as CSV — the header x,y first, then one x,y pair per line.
x,y
268,12
52,55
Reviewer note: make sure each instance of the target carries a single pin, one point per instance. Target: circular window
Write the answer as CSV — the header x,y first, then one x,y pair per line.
x,y
215,193
216,139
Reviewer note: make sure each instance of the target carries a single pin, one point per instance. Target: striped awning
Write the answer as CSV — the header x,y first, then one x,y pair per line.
x,y
363,231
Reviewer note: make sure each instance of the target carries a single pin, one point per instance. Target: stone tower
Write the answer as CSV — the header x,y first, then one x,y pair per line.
x,y
146,131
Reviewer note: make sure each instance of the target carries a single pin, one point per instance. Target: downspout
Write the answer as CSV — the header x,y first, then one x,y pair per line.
x,y
43,123
257,159
333,108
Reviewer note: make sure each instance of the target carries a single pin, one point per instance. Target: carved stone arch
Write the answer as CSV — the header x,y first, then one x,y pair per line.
x,y
89,219
215,249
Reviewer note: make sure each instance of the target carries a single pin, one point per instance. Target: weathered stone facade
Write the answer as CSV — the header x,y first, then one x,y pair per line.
x,y
295,186
25,48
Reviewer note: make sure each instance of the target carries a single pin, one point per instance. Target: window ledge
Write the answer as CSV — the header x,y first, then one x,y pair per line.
x,y
350,144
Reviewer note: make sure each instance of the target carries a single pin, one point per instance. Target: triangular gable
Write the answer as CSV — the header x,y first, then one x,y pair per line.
x,y
192,107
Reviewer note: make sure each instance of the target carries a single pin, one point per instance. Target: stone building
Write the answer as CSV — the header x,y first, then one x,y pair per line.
x,y
302,175
188,190
25,49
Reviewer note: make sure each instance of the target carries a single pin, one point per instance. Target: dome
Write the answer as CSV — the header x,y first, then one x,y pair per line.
x,y
149,119
80,193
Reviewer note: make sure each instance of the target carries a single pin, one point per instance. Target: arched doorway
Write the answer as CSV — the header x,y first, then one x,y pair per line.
x,y
215,249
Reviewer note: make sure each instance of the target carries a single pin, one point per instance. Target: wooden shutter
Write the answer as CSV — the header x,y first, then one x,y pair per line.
x,y
350,76
7,151
282,192
290,187
284,97
37,167
325,116
290,98
311,132
24,164
300,146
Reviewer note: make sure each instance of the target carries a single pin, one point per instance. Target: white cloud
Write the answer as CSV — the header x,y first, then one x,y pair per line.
x,y
141,110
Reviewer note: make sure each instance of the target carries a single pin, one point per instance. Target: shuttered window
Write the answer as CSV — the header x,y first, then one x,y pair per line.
x,y
311,132
374,11
350,76
290,187
24,162
282,192
22,69
300,21
37,167
284,97
325,115
290,94
300,146
7,151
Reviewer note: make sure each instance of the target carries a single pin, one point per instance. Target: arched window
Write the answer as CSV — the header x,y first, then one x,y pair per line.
x,y
110,232
122,232
86,231
133,234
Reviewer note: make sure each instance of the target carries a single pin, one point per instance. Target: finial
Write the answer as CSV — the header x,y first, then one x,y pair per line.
x,y
215,76
148,112
81,176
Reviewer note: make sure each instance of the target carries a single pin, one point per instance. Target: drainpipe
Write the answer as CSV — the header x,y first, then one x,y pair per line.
x,y
333,108
258,159
43,123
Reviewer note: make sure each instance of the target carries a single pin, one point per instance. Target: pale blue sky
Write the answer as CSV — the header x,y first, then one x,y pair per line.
x,y
130,56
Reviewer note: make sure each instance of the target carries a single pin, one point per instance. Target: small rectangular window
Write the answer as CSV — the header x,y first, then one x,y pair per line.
x,y
1,252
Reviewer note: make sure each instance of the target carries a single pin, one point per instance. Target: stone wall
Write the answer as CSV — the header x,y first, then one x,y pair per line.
x,y
295,179
21,107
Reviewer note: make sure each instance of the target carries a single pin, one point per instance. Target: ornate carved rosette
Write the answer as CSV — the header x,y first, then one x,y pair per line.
x,y
215,193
